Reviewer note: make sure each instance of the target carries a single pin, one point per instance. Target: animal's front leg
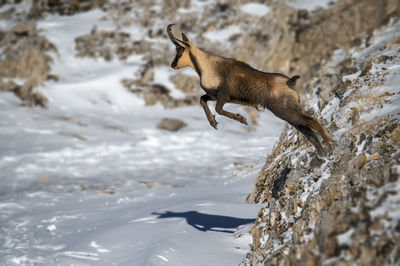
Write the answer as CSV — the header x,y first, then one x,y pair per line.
x,y
219,109
210,116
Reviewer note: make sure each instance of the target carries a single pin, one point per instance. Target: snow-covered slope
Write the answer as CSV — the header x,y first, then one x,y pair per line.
x,y
92,181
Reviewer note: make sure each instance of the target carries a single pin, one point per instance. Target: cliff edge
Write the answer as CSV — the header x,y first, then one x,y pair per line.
x,y
344,209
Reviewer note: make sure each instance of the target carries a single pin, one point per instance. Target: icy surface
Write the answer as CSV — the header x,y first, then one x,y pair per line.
x,y
310,5
256,9
91,181
222,35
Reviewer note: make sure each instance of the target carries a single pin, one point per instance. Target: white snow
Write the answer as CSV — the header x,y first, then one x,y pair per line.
x,y
91,181
162,76
351,77
346,238
51,227
222,35
310,5
195,6
330,109
254,8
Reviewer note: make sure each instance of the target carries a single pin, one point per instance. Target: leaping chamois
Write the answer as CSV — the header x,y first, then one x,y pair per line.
x,y
227,80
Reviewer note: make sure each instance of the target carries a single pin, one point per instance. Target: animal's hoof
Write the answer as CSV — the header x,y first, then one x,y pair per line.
x,y
242,119
214,124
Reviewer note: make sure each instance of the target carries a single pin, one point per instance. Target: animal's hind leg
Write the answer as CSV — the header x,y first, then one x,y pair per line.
x,y
219,109
310,135
292,113
314,124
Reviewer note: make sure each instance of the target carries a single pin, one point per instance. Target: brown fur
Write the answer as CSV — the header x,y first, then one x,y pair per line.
x,y
227,80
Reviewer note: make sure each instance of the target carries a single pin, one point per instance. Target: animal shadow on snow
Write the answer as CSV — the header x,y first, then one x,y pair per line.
x,y
207,222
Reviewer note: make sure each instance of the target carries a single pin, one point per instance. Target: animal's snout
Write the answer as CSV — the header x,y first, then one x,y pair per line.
x,y
173,65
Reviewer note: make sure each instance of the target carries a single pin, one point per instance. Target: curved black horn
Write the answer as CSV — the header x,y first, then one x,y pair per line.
x,y
172,38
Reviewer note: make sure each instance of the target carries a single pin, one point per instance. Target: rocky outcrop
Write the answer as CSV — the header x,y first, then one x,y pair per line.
x,y
171,124
40,8
296,41
340,210
316,37
25,57
157,93
106,45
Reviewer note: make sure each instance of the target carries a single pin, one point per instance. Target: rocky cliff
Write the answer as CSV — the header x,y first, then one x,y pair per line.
x,y
343,209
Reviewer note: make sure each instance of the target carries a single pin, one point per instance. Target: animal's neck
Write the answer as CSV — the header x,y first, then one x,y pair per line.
x,y
201,61
205,66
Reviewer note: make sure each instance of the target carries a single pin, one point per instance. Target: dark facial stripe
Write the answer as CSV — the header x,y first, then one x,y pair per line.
x,y
195,63
179,52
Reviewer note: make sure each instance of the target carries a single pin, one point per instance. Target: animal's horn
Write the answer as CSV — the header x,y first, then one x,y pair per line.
x,y
184,37
176,41
172,38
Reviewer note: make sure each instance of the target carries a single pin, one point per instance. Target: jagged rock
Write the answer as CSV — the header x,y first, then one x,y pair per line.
x,y
185,83
297,41
171,124
169,6
147,76
25,57
30,97
40,8
310,259
157,93
107,44
333,208
396,135
360,160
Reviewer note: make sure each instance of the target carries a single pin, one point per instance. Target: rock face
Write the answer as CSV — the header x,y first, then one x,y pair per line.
x,y
106,44
344,209
316,37
296,41
40,8
24,56
171,124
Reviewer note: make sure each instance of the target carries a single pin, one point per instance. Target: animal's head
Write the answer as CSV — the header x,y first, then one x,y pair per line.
x,y
182,58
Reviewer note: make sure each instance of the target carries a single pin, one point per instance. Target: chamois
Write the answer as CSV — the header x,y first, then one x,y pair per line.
x,y
227,80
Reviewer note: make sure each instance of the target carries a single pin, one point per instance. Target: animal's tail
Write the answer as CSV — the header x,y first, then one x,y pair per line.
x,y
292,81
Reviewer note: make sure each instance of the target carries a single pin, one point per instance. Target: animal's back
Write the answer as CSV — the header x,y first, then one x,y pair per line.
x,y
251,85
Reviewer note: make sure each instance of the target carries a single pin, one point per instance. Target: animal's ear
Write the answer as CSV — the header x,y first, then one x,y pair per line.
x,y
184,37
